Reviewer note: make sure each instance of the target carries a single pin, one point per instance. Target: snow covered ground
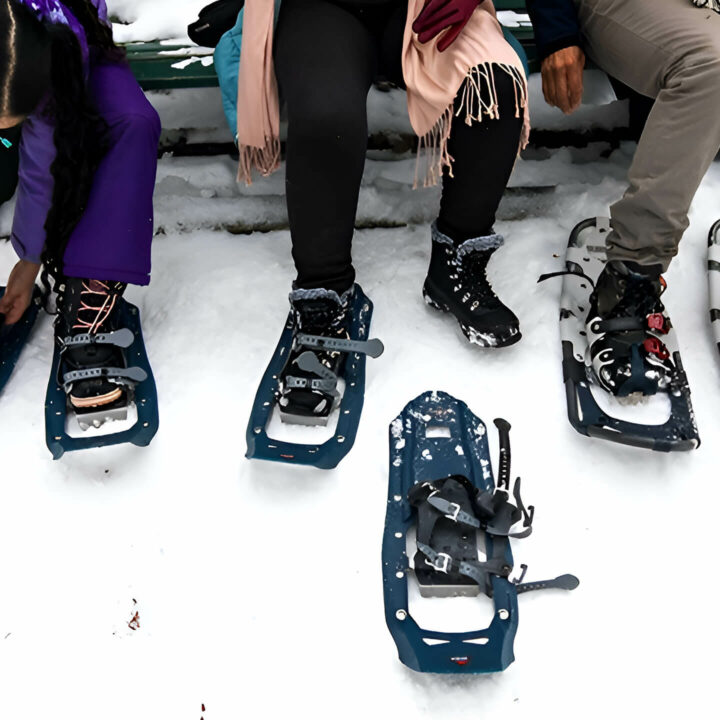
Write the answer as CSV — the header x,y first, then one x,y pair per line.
x,y
258,587
148,583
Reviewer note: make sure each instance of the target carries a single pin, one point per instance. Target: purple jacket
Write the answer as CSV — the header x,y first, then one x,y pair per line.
x,y
37,150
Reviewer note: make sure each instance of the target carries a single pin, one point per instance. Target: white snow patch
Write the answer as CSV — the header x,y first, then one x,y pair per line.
x,y
396,428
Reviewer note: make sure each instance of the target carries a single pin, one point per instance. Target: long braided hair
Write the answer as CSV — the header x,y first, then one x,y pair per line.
x,y
45,59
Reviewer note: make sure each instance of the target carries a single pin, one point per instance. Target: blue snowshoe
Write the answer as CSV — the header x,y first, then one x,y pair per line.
x,y
14,337
442,486
325,341
100,371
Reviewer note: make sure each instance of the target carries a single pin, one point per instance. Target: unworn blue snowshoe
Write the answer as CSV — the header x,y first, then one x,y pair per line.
x,y
325,341
442,486
124,371
14,337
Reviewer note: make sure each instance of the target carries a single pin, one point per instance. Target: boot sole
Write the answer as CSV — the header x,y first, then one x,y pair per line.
x,y
474,336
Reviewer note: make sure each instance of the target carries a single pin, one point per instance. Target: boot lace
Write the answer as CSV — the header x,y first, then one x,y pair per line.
x,y
473,269
97,301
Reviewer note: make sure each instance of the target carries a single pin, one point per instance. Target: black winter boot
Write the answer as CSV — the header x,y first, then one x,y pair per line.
x,y
625,326
308,383
88,308
457,283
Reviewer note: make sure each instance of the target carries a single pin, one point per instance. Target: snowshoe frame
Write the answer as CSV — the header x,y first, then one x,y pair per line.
x,y
714,279
14,337
144,396
415,459
679,432
328,454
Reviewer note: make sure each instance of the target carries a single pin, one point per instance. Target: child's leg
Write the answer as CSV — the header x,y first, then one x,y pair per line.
x,y
325,62
112,240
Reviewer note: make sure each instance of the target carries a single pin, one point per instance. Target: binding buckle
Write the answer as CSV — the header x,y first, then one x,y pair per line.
x,y
655,347
441,563
657,321
454,512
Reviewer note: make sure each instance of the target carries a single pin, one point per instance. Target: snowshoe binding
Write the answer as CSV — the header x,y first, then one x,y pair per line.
x,y
325,341
97,336
442,486
625,328
457,283
714,279
13,337
617,337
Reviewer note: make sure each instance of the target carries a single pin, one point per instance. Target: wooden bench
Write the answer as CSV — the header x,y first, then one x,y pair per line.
x,y
523,32
163,66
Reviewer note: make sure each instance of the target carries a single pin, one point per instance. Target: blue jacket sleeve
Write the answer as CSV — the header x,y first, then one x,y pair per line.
x,y
556,25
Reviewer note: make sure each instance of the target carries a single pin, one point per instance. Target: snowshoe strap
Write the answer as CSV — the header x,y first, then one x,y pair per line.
x,y
477,571
560,273
656,322
637,380
433,505
503,428
120,338
373,348
309,362
325,386
452,511
133,374
492,510
506,514
563,582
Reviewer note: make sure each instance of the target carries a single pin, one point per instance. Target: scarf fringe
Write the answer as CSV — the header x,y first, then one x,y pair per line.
x,y
265,160
433,155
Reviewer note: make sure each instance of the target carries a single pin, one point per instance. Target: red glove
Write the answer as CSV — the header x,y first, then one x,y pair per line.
x,y
440,15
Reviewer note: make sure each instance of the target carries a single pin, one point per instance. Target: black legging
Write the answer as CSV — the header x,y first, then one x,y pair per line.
x,y
327,55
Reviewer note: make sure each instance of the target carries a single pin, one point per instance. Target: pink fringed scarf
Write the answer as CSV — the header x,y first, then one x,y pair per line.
x,y
433,79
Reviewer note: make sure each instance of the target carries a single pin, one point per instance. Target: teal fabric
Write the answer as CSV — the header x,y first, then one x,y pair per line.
x,y
518,48
227,62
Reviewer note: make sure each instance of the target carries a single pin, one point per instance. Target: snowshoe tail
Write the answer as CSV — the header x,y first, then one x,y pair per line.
x,y
143,395
714,279
14,337
584,261
441,484
328,454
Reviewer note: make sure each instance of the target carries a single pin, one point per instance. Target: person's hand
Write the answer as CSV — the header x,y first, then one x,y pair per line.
x,y
440,15
19,291
562,78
